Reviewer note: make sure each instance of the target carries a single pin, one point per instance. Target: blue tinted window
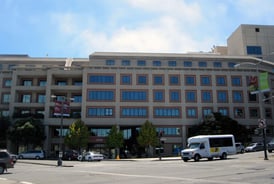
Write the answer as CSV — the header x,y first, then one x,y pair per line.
x,y
174,80
217,64
221,80
236,81
202,64
134,112
141,63
158,95
158,80
134,95
172,63
205,80
207,111
255,50
101,95
142,79
237,96
169,130
187,64
191,112
100,79
125,62
223,111
110,62
157,63
231,65
190,96
190,80
125,79
222,96
206,96
100,112
167,112
77,98
174,96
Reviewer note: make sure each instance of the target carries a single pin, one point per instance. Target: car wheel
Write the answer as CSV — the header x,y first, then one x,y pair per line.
x,y
224,156
185,160
37,157
196,158
270,151
2,169
20,156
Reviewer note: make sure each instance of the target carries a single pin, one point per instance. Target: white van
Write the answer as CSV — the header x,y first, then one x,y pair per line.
x,y
209,146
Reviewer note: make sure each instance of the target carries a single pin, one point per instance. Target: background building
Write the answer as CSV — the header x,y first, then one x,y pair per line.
x,y
173,91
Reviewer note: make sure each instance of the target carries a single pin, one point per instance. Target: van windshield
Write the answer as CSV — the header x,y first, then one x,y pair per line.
x,y
194,145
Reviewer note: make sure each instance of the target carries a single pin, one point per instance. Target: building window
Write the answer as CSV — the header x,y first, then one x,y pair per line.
x,y
221,80
100,132
206,96
205,80
101,95
157,63
236,81
133,95
253,112
169,131
172,63
7,83
207,111
134,112
252,97
158,96
187,64
167,112
231,64
101,79
41,98
223,111
77,98
190,80
61,83
253,50
191,96
202,64
77,83
141,63
5,98
11,66
158,80
42,83
26,98
175,96
5,113
27,82
100,112
191,112
174,80
125,62
222,97
217,64
268,113
142,80
237,96
110,62
239,112
125,79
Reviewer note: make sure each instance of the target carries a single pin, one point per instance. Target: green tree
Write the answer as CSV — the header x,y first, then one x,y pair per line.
x,y
4,124
216,123
27,132
148,137
115,139
78,135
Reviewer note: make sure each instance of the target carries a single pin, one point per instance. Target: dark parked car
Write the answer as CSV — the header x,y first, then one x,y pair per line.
x,y
70,155
270,146
6,161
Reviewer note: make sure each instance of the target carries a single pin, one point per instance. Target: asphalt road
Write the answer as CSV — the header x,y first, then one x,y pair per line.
x,y
248,168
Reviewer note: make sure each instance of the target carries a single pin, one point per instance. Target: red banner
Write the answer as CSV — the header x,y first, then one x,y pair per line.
x,y
61,108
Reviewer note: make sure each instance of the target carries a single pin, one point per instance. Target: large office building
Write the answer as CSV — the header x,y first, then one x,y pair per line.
x,y
173,91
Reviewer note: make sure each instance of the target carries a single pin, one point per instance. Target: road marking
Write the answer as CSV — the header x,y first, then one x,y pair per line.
x,y
4,179
25,182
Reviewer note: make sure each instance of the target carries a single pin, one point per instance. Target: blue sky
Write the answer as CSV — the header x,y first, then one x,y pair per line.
x,y
77,28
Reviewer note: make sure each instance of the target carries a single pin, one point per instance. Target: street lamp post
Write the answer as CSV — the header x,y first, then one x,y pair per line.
x,y
60,154
260,103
